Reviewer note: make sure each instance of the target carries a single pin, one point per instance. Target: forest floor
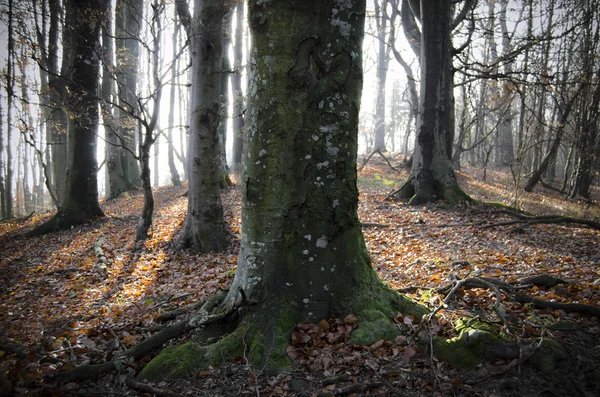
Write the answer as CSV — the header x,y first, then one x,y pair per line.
x,y
61,306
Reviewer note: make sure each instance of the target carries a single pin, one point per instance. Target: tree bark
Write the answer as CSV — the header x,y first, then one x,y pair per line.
x,y
432,175
382,66
10,83
236,88
175,180
123,168
204,228
81,191
302,253
302,256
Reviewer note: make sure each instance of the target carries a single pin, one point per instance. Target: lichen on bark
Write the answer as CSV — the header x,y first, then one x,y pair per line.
x,y
303,257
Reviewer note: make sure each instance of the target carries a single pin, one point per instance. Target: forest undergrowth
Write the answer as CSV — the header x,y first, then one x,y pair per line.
x,y
85,295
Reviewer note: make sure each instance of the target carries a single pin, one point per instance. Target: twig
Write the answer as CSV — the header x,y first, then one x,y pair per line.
x,y
355,388
146,388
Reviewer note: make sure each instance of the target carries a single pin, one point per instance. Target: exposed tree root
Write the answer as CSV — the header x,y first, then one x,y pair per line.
x,y
63,220
567,307
543,280
136,352
204,317
527,220
173,314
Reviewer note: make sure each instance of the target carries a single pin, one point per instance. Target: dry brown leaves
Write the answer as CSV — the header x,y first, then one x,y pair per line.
x,y
55,304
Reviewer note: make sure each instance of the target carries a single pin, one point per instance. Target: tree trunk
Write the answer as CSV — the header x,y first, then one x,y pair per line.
x,y
81,191
225,73
382,66
204,228
505,147
147,139
123,168
432,175
236,88
171,123
2,181
10,83
302,257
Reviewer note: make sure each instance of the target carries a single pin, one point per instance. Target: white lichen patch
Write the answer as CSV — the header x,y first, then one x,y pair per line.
x,y
324,164
262,152
322,242
305,252
308,237
305,300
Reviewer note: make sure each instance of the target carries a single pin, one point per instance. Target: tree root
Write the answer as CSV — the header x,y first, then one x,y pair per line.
x,y
173,314
567,307
543,280
527,220
138,351
204,317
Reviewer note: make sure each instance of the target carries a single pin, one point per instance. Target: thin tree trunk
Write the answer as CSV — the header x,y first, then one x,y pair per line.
x,y
382,66
147,139
236,89
10,82
171,122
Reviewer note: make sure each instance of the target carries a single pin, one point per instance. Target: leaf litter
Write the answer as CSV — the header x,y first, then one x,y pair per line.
x,y
59,309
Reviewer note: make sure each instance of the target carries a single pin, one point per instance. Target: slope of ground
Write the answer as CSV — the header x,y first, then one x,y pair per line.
x,y
61,305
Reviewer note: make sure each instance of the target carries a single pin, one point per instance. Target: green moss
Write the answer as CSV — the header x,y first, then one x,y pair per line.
x,y
550,356
465,351
456,353
466,324
174,362
454,194
373,325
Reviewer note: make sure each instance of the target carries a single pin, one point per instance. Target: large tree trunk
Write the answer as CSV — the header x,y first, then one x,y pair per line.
x,y
80,203
204,228
302,257
432,175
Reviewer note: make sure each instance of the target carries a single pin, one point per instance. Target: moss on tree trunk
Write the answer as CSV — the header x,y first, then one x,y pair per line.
x,y
303,256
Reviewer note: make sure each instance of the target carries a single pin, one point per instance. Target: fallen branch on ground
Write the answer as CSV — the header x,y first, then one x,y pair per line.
x,y
146,388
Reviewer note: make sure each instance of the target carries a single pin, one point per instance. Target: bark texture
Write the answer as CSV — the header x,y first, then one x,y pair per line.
x,y
123,169
432,175
204,228
302,256
80,203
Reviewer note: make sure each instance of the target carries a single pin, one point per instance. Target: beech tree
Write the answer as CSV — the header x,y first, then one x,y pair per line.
x,y
204,228
303,256
123,168
432,174
80,202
